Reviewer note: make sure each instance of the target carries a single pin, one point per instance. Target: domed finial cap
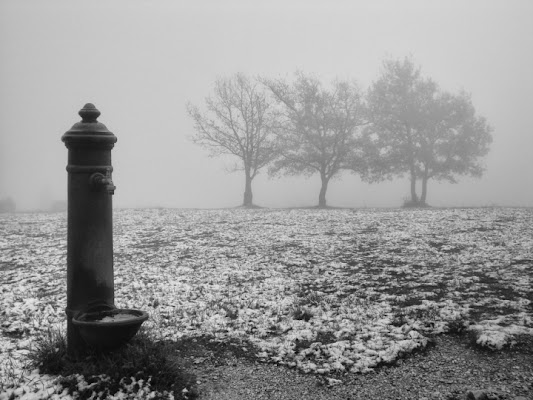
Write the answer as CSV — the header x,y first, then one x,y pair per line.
x,y
89,131
89,113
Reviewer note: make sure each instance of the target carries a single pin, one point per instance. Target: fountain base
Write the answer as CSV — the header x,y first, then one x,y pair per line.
x,y
109,329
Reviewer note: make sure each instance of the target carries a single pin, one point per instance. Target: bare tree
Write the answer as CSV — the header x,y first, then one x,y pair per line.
x,y
320,128
238,121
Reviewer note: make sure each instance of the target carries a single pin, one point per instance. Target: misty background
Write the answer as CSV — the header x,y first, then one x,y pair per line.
x,y
140,62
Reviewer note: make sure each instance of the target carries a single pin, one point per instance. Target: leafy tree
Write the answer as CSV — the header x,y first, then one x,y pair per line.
x,y
421,131
238,121
320,127
454,141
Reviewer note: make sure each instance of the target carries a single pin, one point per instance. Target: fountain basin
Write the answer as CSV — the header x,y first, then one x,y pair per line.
x,y
109,329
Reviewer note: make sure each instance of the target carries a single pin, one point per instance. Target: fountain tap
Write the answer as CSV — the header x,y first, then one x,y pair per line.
x,y
100,182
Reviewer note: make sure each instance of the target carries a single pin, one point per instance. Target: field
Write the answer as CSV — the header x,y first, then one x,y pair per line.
x,y
317,290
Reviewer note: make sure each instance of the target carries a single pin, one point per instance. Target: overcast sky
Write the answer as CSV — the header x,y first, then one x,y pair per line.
x,y
140,62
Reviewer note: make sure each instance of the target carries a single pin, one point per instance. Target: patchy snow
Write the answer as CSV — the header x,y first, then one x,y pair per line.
x,y
499,332
318,290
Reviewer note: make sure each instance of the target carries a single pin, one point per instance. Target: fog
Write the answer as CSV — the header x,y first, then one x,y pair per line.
x,y
140,62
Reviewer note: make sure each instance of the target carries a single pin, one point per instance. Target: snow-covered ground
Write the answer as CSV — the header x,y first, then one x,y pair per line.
x,y
319,290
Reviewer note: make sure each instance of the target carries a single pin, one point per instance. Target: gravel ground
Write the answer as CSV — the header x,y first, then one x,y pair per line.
x,y
447,370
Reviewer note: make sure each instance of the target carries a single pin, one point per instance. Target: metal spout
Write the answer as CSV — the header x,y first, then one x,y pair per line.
x,y
100,182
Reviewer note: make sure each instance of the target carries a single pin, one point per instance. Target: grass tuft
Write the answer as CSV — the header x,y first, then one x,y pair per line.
x,y
143,365
458,325
302,313
50,352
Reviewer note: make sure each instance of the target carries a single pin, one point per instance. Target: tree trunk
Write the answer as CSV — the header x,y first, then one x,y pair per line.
x,y
247,201
424,191
323,189
414,197
424,187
